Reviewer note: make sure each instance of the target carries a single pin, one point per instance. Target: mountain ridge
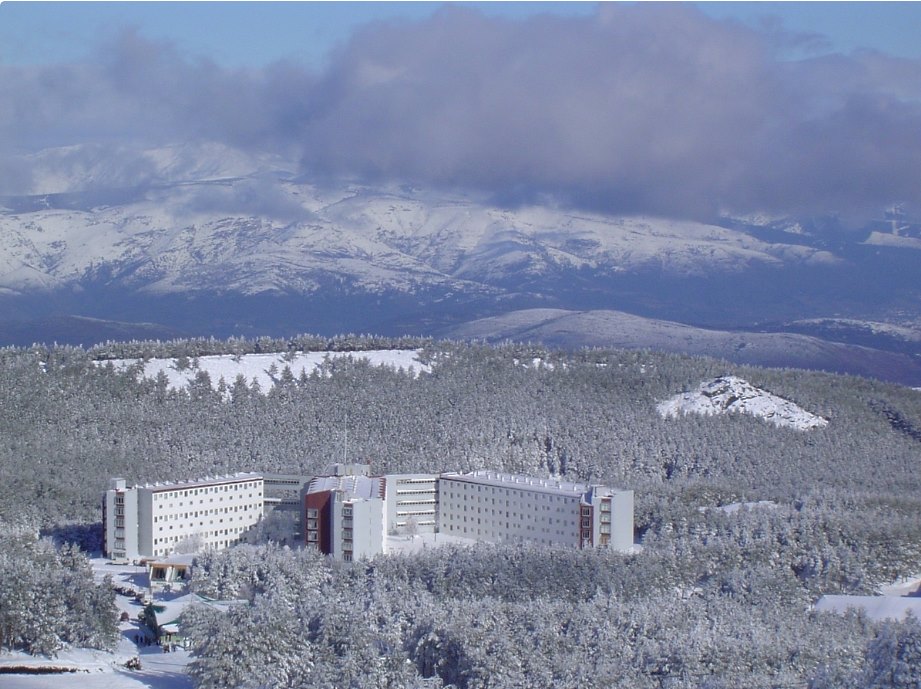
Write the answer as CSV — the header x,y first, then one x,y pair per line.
x,y
212,241
608,328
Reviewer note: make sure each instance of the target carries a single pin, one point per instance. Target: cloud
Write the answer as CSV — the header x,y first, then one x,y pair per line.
x,y
642,108
257,197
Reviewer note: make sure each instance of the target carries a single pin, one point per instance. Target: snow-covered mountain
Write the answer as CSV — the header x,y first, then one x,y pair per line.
x,y
733,395
256,235
208,240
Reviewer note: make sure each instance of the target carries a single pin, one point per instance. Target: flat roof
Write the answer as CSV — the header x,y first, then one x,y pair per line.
x,y
487,477
203,482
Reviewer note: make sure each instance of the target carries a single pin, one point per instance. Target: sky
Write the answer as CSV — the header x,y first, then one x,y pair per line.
x,y
676,109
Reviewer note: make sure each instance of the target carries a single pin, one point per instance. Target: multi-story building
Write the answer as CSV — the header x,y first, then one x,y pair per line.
x,y
154,520
412,503
507,508
283,492
344,516
348,513
120,521
482,505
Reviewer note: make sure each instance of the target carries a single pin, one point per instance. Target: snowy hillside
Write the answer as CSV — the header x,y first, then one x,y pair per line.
x,y
209,240
211,219
609,328
732,395
266,369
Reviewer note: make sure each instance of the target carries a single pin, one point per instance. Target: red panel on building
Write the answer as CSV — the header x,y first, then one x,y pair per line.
x,y
317,524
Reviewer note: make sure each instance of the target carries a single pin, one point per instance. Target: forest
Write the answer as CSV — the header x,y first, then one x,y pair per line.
x,y
714,599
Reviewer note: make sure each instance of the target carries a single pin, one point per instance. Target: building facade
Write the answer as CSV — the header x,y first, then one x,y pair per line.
x,y
508,508
344,516
154,520
283,491
412,503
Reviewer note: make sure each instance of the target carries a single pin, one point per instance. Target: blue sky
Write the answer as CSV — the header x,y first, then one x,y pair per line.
x,y
239,34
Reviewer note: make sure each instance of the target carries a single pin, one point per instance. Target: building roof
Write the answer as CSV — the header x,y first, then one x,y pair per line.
x,y
877,608
203,482
181,560
487,477
354,487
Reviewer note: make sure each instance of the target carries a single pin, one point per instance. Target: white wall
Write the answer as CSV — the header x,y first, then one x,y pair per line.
x,y
411,503
216,514
508,513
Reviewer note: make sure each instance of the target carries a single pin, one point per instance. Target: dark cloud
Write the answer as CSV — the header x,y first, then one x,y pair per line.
x,y
641,108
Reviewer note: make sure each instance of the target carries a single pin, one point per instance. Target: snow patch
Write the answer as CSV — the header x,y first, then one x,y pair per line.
x,y
876,608
266,369
733,395
734,507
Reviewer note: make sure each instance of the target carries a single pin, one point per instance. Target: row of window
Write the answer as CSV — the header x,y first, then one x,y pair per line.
x,y
532,494
204,513
490,517
202,523
204,534
163,506
489,534
224,543
448,504
222,488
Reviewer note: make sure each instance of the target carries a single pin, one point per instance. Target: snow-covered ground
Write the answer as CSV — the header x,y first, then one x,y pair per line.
x,y
894,602
907,586
413,544
733,395
734,507
104,670
266,368
876,607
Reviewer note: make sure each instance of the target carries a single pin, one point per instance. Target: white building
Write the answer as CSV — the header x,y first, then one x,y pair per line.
x,y
412,503
507,508
343,517
154,519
